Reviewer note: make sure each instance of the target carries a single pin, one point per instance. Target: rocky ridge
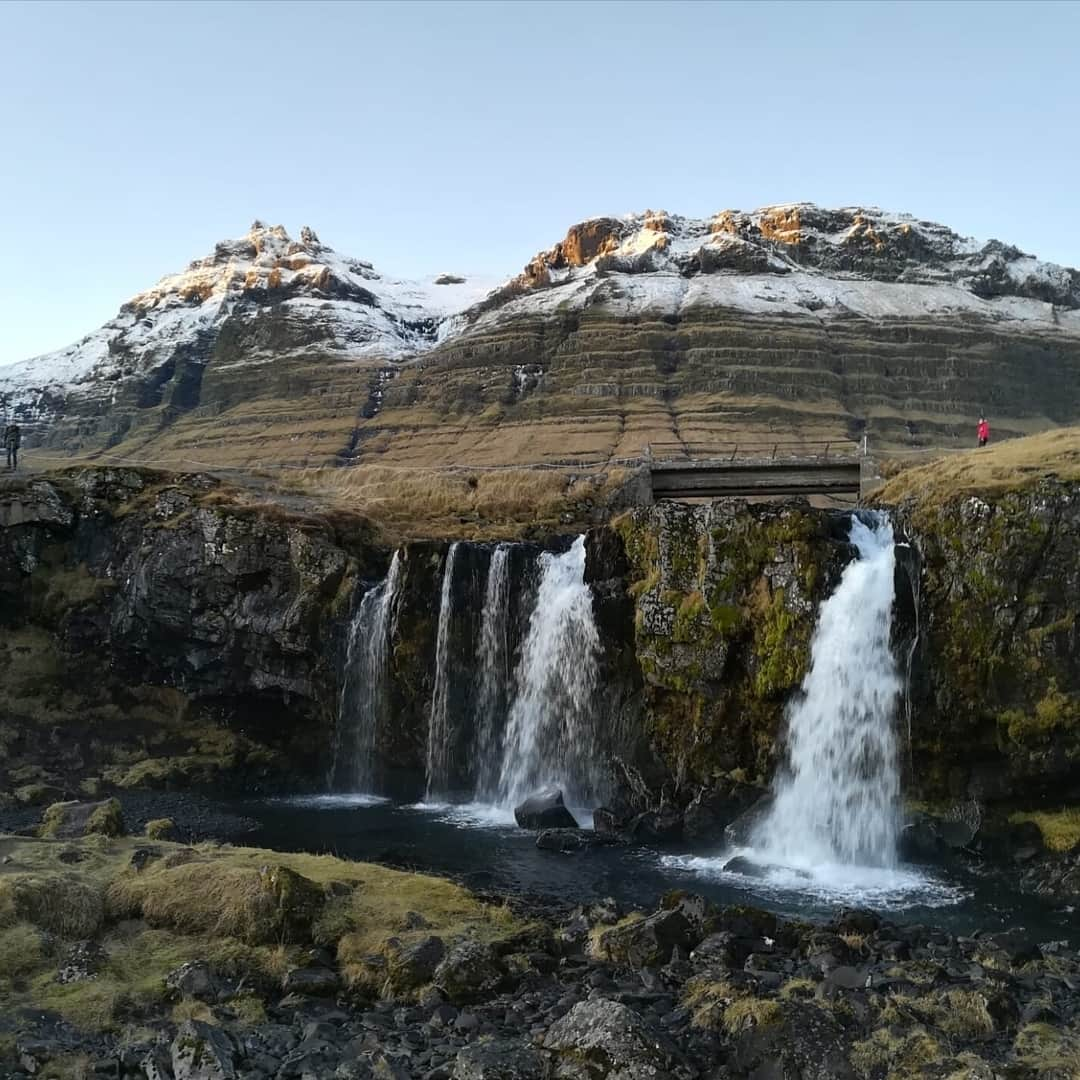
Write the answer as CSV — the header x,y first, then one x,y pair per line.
x,y
654,327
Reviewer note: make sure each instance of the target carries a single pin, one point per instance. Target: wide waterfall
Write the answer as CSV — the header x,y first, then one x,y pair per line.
x,y
362,703
440,725
837,802
550,734
493,674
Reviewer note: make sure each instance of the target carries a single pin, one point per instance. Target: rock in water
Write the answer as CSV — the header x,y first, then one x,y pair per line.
x,y
545,810
568,840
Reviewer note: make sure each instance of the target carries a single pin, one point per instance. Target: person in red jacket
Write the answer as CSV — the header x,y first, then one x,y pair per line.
x,y
984,431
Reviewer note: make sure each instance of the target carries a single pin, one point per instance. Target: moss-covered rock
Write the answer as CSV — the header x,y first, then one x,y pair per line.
x,y
996,674
71,819
725,600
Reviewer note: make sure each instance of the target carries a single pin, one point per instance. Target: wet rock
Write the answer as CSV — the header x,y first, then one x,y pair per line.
x,y
545,810
657,826
469,972
741,831
711,810
740,864
570,840
201,1051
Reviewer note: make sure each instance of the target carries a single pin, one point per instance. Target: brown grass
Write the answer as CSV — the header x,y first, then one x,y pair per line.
x,y
428,503
1007,466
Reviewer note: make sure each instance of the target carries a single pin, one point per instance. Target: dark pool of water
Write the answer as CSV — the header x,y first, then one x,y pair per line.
x,y
480,847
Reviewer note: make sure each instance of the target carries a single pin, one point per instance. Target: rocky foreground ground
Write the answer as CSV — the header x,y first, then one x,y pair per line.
x,y
143,957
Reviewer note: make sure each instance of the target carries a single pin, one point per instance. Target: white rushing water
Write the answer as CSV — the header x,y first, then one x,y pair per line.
x,y
837,803
550,737
439,746
831,831
362,703
493,675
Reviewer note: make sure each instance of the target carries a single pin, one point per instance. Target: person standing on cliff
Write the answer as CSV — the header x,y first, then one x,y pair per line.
x,y
984,431
12,442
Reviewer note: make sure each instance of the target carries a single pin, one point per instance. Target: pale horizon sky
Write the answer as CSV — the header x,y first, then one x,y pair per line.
x,y
429,137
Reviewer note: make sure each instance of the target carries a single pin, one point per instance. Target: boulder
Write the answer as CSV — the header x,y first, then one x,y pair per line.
x,y
739,833
66,820
647,942
203,1052
545,810
500,1059
408,967
609,1038
194,980
470,972
311,981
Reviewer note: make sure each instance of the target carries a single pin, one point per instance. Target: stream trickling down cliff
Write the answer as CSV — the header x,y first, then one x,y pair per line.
x,y
363,690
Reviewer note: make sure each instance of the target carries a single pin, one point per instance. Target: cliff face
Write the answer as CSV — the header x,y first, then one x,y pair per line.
x,y
996,687
156,632
791,320
723,600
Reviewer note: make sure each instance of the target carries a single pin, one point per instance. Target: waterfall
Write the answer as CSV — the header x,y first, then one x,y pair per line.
x,y
836,804
493,673
362,703
439,749
550,736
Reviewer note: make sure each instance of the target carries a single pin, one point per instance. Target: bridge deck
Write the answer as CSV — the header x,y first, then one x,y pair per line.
x,y
774,469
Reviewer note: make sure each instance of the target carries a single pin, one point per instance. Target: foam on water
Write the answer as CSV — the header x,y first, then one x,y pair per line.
x,y
341,801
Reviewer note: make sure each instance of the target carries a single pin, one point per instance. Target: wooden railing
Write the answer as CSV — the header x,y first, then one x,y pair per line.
x,y
824,449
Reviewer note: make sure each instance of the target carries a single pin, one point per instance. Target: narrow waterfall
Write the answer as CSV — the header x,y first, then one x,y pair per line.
x,y
836,804
439,746
493,687
362,703
550,737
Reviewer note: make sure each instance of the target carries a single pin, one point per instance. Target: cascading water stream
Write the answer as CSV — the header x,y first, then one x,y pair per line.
x,y
837,802
362,703
550,737
439,727
493,673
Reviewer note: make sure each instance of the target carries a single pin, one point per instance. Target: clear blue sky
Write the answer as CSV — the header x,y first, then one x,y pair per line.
x,y
466,136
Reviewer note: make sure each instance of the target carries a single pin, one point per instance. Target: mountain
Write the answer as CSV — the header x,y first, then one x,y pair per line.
x,y
791,321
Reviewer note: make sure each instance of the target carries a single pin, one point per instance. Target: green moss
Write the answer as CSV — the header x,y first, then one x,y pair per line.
x,y
1060,828
781,645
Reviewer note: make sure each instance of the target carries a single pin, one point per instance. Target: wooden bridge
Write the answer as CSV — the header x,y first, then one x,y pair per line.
x,y
695,471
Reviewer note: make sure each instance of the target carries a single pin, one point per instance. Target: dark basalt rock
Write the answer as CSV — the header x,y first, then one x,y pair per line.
x,y
570,840
545,810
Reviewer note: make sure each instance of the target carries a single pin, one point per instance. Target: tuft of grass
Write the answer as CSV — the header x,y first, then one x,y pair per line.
x,y
259,905
1048,1050
751,1012
21,951
160,829
898,1056
993,470
55,902
1060,828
